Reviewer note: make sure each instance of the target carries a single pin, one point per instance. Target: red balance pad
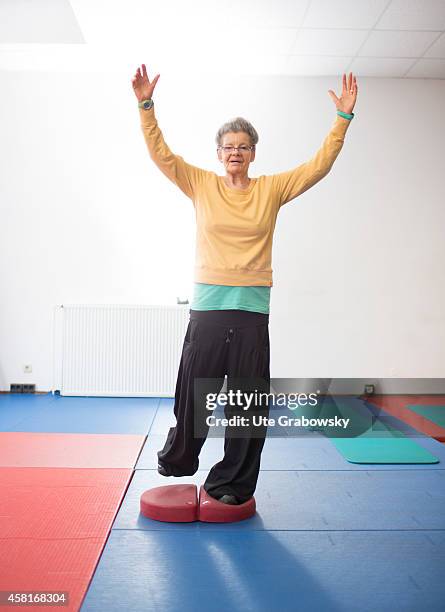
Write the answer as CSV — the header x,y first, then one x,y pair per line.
x,y
171,503
213,511
179,504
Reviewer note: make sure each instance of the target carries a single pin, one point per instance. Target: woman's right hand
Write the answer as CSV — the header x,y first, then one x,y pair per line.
x,y
142,87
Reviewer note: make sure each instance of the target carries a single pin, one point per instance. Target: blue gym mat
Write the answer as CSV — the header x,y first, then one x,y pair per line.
x,y
59,414
17,407
315,453
343,407
260,571
312,450
164,418
321,500
329,535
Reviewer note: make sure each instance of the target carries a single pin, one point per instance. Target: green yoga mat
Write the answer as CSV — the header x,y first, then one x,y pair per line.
x,y
436,414
393,448
369,440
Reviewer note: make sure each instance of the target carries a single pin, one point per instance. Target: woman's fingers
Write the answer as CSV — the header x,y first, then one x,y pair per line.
x,y
349,83
141,83
349,90
141,73
353,81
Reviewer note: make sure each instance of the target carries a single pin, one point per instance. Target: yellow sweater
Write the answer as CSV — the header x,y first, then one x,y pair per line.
x,y
235,226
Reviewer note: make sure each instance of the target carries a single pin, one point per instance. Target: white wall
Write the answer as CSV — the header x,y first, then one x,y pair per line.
x,y
358,260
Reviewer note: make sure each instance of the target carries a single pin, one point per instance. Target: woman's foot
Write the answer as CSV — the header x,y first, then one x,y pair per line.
x,y
166,470
229,499
163,470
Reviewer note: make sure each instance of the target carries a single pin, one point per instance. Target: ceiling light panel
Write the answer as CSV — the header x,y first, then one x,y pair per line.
x,y
328,42
38,21
344,14
383,43
413,15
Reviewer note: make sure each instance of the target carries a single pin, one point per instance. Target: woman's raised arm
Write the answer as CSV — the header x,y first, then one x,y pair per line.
x,y
291,184
182,174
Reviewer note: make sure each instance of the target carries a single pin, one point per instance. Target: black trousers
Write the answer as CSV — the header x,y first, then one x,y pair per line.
x,y
218,343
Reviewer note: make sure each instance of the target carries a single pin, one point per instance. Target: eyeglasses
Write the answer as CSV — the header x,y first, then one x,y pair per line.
x,y
241,149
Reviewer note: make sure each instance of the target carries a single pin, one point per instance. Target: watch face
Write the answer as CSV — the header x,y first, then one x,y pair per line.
x,y
147,105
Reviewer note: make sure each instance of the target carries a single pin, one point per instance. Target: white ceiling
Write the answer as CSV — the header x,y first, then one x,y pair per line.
x,y
381,38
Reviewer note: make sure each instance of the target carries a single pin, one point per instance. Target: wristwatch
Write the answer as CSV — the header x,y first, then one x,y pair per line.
x,y
146,104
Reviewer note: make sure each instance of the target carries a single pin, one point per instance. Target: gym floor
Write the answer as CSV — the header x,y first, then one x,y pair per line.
x,y
329,534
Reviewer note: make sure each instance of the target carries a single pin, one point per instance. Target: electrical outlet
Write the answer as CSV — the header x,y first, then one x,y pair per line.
x,y
27,368
22,388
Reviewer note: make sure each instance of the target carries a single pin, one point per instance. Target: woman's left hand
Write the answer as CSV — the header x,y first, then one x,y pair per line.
x,y
348,95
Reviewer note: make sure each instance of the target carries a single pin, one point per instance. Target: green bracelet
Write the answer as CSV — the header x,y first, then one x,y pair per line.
x,y
345,115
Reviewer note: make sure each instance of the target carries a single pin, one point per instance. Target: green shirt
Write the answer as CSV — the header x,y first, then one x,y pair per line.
x,y
228,297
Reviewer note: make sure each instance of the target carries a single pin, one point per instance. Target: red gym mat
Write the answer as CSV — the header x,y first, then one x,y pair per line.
x,y
395,405
53,526
21,449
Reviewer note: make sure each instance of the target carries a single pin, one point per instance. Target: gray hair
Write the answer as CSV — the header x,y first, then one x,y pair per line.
x,y
237,125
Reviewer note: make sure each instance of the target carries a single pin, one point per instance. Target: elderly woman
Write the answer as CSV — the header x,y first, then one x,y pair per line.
x,y
228,330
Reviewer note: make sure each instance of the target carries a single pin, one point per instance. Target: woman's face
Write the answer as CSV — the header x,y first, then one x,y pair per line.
x,y
236,162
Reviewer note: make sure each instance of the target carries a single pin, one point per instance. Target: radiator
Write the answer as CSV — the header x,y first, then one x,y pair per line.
x,y
117,350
